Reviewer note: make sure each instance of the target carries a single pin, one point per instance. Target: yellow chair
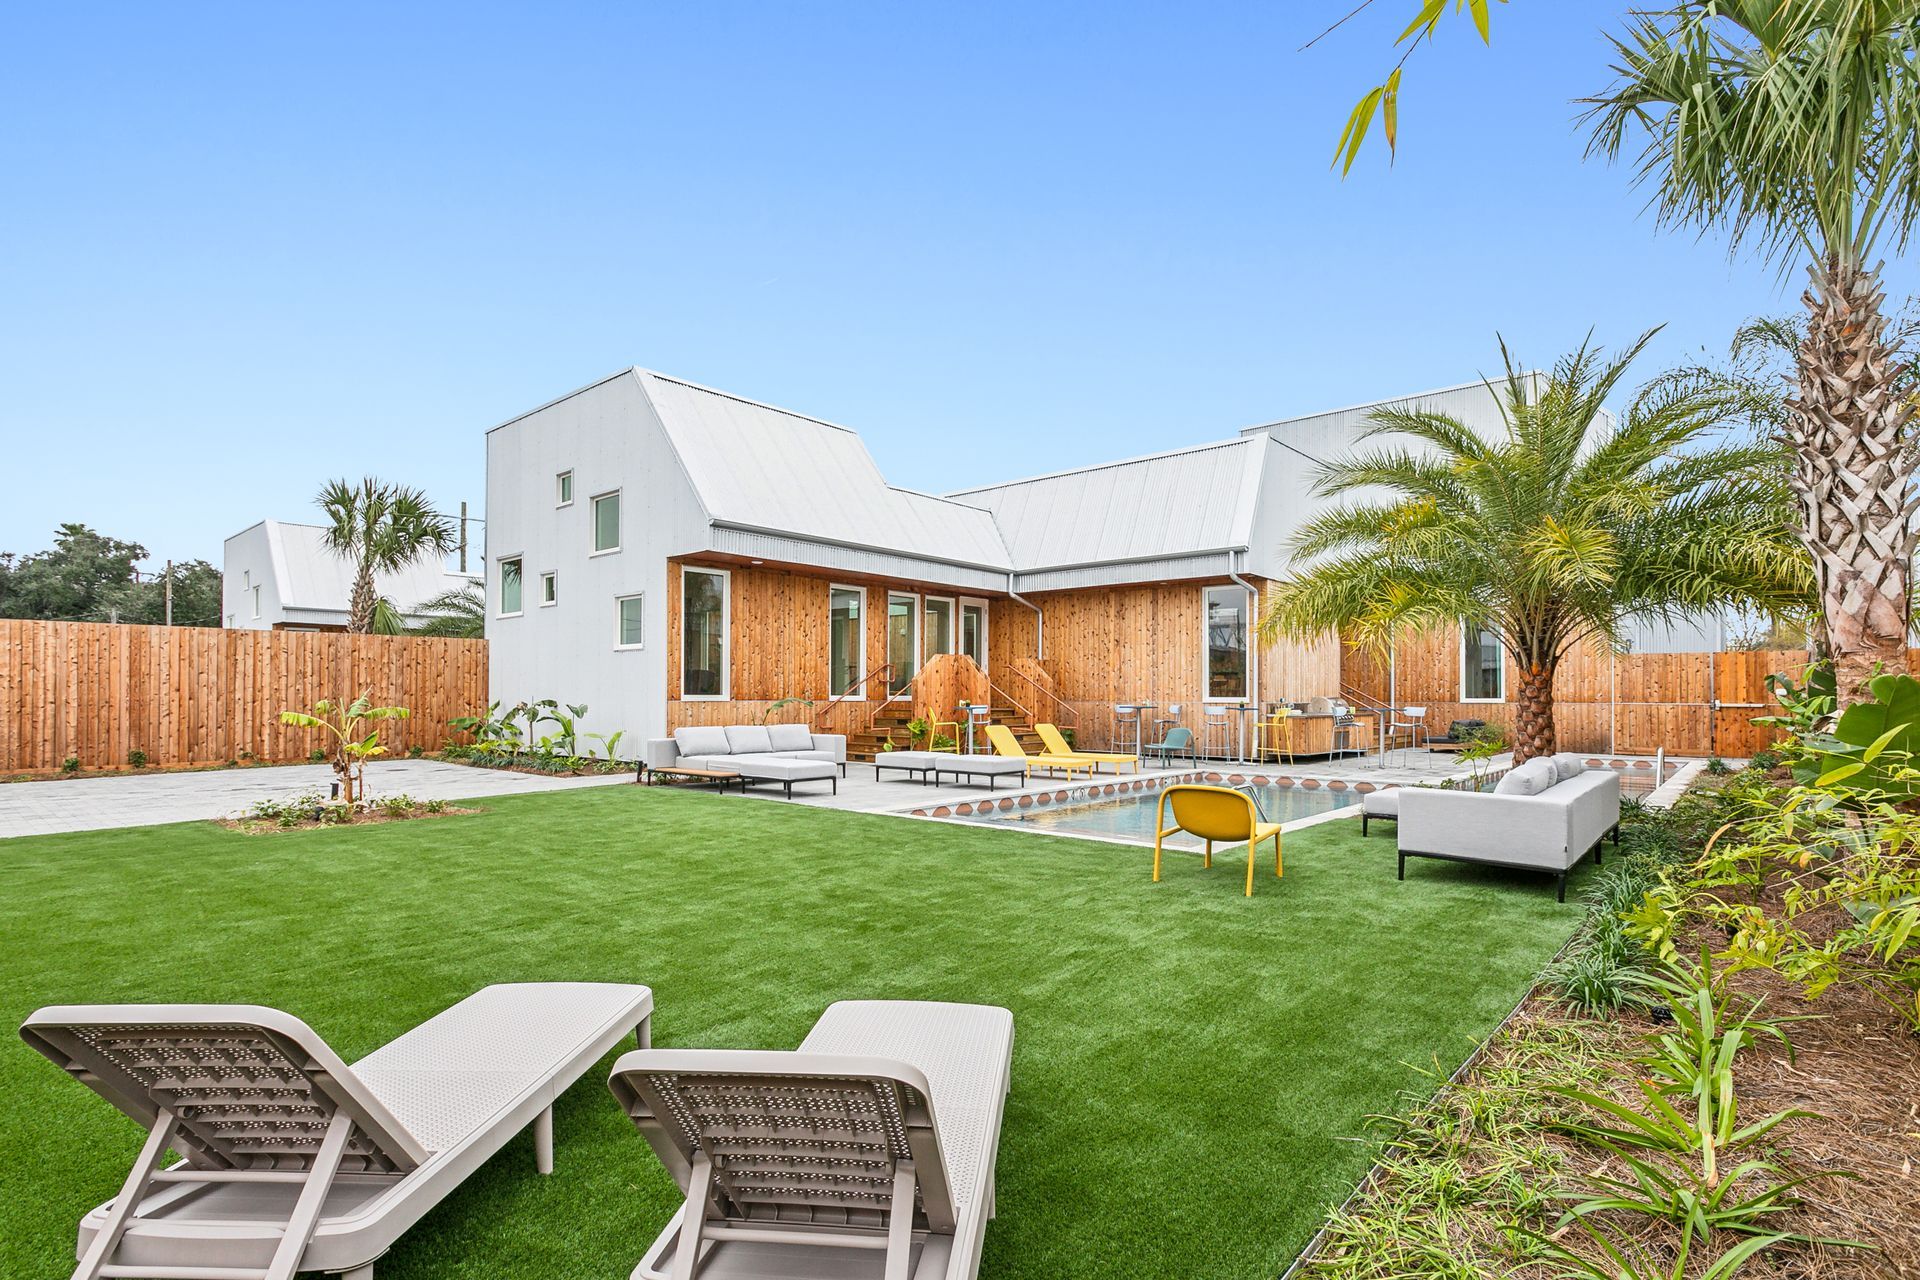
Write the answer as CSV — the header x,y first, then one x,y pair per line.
x,y
1215,813
933,735
1276,735
1004,743
1057,745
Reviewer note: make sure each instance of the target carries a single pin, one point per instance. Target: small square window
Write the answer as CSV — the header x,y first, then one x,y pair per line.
x,y
510,587
606,522
630,617
549,588
563,489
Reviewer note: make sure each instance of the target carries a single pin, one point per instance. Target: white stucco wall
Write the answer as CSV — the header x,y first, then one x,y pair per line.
x,y
608,437
247,562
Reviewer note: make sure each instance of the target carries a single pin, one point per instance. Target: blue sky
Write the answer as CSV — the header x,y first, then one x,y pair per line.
x,y
248,248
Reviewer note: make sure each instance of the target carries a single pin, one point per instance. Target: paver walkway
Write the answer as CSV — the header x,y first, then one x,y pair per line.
x,y
92,804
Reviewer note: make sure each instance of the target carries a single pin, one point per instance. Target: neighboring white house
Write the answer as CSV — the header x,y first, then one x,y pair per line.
x,y
281,577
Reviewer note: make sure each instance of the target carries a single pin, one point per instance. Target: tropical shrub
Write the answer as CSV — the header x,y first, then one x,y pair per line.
x,y
1871,742
354,743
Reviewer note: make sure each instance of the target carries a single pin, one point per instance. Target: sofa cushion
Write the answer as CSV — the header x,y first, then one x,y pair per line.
x,y
748,739
1568,765
702,740
1381,804
790,737
1529,779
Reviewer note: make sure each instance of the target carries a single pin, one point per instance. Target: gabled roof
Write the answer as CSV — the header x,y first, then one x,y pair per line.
x,y
1181,503
757,467
309,576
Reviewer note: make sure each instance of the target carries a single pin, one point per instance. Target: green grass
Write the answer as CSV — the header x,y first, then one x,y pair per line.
x,y
1191,1069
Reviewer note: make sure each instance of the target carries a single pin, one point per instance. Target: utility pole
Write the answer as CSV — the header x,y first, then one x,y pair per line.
x,y
167,592
463,537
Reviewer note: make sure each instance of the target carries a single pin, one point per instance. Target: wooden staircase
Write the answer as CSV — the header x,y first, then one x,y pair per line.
x,y
891,722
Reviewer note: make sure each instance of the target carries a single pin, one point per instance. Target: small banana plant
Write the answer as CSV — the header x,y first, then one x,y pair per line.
x,y
353,743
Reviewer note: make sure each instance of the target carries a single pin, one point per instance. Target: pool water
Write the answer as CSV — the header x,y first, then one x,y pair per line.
x,y
1131,817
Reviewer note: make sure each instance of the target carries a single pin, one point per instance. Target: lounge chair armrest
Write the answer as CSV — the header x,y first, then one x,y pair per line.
x,y
1527,830
834,742
662,753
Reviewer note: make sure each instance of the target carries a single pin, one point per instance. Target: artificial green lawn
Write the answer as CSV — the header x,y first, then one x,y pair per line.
x,y
1191,1068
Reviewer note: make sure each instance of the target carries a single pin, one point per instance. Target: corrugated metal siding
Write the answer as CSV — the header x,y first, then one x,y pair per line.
x,y
1170,505
316,578
767,546
1169,569
756,465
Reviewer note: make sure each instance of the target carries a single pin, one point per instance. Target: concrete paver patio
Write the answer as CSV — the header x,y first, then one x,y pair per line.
x,y
92,804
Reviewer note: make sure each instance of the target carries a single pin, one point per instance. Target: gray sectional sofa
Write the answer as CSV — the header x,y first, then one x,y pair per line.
x,y
1544,815
783,753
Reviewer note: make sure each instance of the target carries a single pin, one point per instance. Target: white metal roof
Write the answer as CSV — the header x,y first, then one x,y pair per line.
x,y
311,577
761,468
1180,503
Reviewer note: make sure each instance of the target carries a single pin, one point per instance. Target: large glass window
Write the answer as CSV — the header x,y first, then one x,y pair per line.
x,y
1228,609
973,632
510,585
902,650
703,633
629,622
606,522
846,654
1483,668
938,636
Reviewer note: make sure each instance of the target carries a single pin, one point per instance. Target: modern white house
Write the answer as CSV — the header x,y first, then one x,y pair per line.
x,y
278,576
670,554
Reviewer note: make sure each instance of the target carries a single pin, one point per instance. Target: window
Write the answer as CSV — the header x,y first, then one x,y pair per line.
x,y
1227,610
1483,667
903,642
630,630
256,602
938,635
549,588
703,633
563,489
510,587
846,654
973,631
606,522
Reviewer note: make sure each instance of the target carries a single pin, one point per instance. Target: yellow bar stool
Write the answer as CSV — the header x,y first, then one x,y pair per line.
x,y
1215,814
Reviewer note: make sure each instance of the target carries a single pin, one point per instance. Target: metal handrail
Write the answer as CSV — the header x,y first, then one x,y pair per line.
x,y
848,696
1071,714
993,688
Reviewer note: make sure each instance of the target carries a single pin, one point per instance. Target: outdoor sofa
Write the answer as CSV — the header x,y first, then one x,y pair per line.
x,y
867,1153
295,1161
1544,815
782,753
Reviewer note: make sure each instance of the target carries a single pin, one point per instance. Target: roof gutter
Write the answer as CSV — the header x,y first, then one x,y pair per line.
x,y
1039,618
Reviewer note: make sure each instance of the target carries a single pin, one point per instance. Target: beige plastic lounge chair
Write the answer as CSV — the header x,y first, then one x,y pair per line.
x,y
868,1152
296,1161
1057,745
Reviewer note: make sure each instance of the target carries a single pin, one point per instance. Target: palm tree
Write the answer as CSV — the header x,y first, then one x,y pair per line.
x,y
1796,126
381,528
1551,535
459,613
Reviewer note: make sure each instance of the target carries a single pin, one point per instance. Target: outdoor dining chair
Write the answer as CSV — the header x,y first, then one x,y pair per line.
x,y
1215,814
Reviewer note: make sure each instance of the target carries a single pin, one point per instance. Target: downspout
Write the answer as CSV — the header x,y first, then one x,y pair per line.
x,y
1039,618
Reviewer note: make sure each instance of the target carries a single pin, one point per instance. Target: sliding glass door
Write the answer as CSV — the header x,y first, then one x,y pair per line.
x,y
846,647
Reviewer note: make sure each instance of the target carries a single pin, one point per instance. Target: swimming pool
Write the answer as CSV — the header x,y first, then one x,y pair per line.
x,y
1131,817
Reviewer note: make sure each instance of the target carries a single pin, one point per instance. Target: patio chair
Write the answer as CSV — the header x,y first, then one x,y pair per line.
x,y
1215,813
1058,745
1005,744
867,1152
1275,735
1178,742
295,1161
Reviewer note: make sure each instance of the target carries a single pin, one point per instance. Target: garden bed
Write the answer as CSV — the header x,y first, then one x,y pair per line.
x,y
542,766
311,811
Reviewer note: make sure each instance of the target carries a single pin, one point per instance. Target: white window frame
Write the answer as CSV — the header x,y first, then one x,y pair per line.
x,y
859,691
593,522
549,588
726,635
563,488
953,624
500,567
960,627
919,662
1251,696
618,621
1464,624
255,592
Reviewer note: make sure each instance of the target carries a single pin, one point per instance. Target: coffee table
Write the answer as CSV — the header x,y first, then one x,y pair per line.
x,y
719,779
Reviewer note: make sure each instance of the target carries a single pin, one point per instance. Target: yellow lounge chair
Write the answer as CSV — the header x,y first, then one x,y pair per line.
x,y
1215,813
1004,743
1058,745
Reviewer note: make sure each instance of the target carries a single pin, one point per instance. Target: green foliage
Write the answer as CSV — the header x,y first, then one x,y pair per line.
x,y
917,728
70,765
1383,99
381,528
459,613
1626,1260
137,759
353,742
483,724
1805,708
1870,743
781,704
89,577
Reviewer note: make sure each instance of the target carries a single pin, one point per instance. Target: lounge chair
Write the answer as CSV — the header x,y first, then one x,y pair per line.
x,y
1004,743
1057,745
1178,742
868,1152
1215,813
295,1161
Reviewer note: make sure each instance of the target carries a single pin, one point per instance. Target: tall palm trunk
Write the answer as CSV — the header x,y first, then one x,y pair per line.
x,y
1533,732
1853,473
361,604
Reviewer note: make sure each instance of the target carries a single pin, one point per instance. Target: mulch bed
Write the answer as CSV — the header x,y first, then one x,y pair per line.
x,y
269,827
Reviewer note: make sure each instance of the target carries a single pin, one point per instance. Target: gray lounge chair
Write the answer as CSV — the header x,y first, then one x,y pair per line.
x,y
296,1161
868,1152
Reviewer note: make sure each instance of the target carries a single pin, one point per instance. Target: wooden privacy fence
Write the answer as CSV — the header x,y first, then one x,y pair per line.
x,y
197,695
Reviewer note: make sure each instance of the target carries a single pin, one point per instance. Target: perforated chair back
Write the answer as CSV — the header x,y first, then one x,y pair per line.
x,y
1212,813
807,1139
250,1088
